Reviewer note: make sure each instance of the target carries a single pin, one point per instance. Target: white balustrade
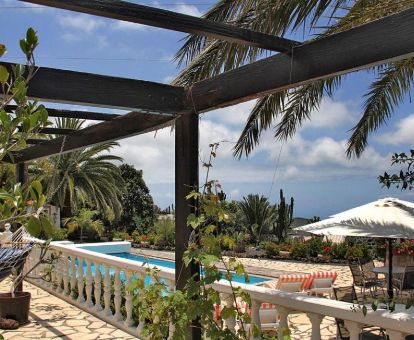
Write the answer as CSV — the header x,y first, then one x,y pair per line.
x,y
81,284
88,281
117,294
66,274
316,320
107,268
107,291
98,288
128,299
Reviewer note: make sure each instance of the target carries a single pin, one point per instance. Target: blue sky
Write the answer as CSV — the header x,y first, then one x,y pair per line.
x,y
312,167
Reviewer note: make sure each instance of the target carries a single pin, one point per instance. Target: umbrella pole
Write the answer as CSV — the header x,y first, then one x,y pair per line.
x,y
389,283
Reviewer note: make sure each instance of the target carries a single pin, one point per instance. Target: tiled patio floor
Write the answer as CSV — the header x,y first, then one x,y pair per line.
x,y
53,318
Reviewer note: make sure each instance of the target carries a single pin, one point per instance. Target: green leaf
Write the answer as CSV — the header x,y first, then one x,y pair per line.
x,y
5,118
364,310
34,227
31,37
36,189
23,46
47,226
4,75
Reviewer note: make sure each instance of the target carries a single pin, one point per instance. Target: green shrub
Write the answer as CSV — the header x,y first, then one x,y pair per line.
x,y
227,242
272,249
300,250
122,235
59,234
136,236
316,246
355,252
164,232
339,250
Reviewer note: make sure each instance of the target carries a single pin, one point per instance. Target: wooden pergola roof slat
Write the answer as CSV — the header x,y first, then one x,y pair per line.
x,y
82,88
384,40
156,17
63,113
130,124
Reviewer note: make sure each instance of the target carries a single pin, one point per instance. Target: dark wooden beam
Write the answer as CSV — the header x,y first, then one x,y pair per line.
x,y
64,86
33,141
55,131
133,123
145,15
186,180
381,41
63,113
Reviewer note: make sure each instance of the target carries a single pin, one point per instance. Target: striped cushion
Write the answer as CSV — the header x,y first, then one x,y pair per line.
x,y
320,275
304,278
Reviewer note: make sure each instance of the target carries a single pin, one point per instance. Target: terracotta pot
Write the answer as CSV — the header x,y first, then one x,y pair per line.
x,y
16,307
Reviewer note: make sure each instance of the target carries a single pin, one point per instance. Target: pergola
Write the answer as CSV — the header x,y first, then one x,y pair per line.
x,y
153,105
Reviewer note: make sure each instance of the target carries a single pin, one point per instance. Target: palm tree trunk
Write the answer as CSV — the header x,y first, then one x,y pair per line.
x,y
67,208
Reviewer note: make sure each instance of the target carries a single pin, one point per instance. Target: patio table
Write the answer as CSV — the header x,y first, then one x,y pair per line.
x,y
385,270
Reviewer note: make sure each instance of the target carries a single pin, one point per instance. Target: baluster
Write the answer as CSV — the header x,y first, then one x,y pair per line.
x,y
171,329
98,287
283,321
53,276
66,276
88,280
81,284
229,303
59,274
256,316
354,329
117,295
128,299
73,279
395,335
107,291
316,320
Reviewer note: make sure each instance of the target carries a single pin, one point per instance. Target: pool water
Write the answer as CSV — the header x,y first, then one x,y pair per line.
x,y
170,264
159,263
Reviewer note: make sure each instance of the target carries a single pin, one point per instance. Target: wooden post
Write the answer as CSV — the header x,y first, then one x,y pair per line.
x,y
186,179
22,177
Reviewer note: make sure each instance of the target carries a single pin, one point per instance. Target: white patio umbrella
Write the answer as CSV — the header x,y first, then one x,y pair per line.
x,y
385,218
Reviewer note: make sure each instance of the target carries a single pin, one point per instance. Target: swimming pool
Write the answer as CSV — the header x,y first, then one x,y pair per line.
x,y
170,264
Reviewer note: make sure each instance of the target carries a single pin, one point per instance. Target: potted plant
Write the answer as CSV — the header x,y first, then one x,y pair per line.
x,y
15,305
398,248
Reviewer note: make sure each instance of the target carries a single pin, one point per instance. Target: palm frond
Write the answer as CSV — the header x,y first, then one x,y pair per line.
x,y
385,94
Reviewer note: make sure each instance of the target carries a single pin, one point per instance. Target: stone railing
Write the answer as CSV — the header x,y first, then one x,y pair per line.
x,y
70,280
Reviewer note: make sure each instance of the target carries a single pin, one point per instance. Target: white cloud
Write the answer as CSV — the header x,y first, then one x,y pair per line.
x,y
232,115
402,134
187,9
331,114
80,22
128,26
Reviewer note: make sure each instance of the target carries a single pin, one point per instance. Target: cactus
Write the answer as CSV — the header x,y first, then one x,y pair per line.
x,y
284,217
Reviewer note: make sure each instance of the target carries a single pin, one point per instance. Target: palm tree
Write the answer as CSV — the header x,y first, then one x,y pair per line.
x,y
205,57
258,215
84,221
83,177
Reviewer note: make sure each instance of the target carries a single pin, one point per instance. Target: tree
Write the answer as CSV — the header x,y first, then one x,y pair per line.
x,y
83,177
138,205
403,179
258,215
289,109
84,221
284,217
